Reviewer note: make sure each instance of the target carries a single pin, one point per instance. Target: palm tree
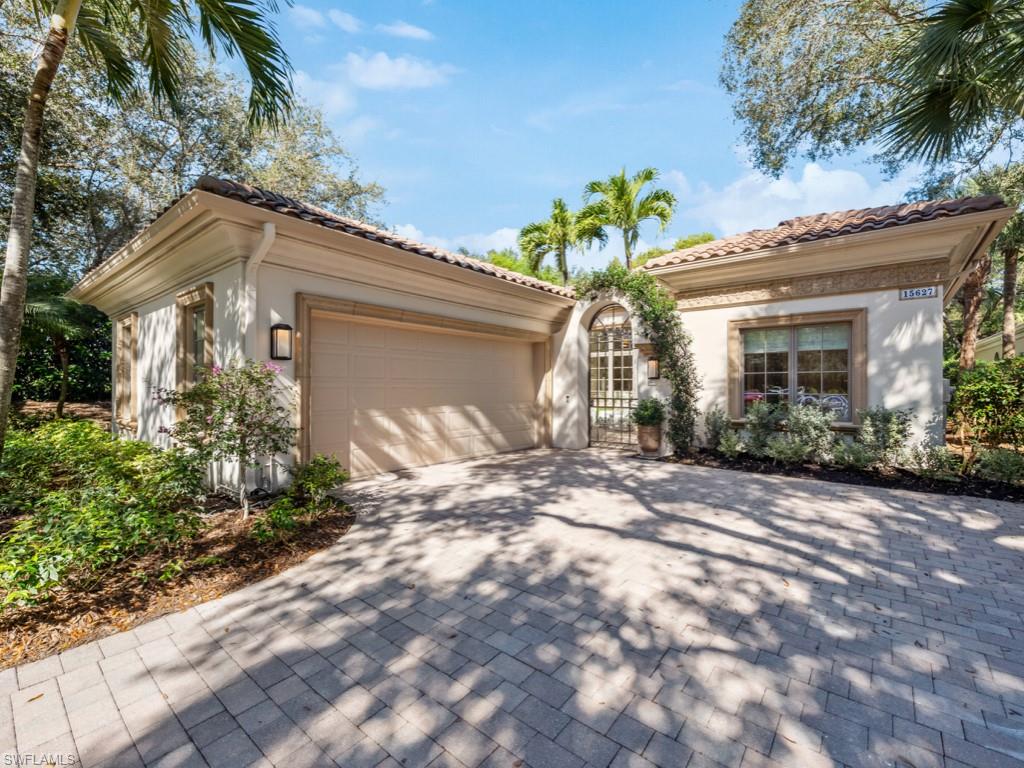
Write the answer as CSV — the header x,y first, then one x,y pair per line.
x,y
957,76
107,30
558,235
617,202
51,318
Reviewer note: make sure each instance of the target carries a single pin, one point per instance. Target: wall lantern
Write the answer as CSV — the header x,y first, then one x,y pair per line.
x,y
280,341
653,368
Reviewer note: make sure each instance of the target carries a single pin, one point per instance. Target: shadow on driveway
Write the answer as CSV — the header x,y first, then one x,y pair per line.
x,y
562,608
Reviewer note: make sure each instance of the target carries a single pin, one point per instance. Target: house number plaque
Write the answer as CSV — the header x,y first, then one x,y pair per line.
x,y
927,292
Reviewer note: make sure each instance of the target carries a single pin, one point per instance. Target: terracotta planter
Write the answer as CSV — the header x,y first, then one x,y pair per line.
x,y
649,438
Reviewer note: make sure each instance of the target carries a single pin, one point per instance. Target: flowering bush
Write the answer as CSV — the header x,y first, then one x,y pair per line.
x,y
233,413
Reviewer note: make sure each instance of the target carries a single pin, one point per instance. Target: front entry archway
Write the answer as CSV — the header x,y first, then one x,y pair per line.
x,y
612,378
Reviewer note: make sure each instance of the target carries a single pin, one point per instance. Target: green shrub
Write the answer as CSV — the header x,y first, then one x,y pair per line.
x,y
811,426
1001,465
787,449
989,402
716,424
86,500
935,461
884,433
648,412
313,480
853,455
279,521
763,419
234,413
729,444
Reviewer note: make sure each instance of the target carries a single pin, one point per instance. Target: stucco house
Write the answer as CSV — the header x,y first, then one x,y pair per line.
x,y
402,354
990,348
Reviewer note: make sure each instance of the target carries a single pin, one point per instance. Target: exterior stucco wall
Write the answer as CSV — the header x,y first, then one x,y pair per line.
x,y
904,351
157,346
904,340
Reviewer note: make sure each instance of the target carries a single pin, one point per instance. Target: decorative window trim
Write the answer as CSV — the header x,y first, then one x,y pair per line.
x,y
125,390
187,302
858,320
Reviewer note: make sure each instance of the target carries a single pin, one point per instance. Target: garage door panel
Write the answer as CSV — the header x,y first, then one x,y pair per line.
x,y
383,397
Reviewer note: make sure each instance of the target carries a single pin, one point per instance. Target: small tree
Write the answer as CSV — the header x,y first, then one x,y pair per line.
x,y
233,413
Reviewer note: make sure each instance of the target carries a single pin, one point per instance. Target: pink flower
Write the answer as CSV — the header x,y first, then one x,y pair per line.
x,y
216,370
272,367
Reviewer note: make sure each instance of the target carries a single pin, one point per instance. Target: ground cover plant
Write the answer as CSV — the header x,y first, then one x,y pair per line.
x,y
100,533
800,440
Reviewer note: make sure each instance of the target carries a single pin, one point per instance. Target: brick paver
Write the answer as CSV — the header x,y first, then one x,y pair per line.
x,y
577,608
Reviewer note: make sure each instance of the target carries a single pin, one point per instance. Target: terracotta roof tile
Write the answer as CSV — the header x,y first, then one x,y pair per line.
x,y
289,207
825,225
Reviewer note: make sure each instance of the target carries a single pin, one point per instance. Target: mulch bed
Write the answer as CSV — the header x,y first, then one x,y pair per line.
x,y
221,559
880,478
47,409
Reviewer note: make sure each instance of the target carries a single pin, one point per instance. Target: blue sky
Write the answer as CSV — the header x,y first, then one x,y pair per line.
x,y
474,115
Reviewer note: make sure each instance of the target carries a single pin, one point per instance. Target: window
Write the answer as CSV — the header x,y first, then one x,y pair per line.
x,y
195,333
125,360
809,365
816,359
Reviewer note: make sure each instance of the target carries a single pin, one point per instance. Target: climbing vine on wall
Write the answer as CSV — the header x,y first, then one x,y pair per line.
x,y
656,309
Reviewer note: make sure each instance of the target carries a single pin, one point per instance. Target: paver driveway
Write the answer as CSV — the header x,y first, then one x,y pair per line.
x,y
552,609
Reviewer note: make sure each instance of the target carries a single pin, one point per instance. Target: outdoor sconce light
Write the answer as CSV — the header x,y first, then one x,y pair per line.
x,y
653,368
280,341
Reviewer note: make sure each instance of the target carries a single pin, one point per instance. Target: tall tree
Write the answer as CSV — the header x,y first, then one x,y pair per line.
x,y
105,29
1008,181
562,232
959,74
973,297
621,202
825,77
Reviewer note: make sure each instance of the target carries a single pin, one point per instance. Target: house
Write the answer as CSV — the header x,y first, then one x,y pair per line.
x,y
991,347
402,354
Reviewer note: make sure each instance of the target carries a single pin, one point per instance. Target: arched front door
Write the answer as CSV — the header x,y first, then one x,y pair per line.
x,y
612,378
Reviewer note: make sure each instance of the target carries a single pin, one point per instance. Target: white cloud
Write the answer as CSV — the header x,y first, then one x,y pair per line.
x,y
405,29
306,18
678,180
480,242
381,72
332,96
346,22
359,128
756,201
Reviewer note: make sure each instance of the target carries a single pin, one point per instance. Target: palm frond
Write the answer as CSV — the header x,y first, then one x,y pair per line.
x,y
244,28
99,32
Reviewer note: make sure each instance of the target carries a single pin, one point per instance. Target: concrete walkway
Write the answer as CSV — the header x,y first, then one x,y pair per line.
x,y
561,609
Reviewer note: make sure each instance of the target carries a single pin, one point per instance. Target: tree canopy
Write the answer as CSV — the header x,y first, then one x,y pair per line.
x,y
106,169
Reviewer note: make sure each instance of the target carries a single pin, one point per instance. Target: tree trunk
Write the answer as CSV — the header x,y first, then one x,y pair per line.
x,y
12,291
628,251
1009,300
65,361
974,294
563,265
243,497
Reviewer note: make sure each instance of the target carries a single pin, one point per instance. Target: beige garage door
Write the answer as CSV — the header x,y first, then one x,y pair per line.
x,y
385,397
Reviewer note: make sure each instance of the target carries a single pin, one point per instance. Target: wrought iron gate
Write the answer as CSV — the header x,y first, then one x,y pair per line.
x,y
611,378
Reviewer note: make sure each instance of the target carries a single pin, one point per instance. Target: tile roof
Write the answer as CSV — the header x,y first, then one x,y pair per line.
x,y
289,207
825,225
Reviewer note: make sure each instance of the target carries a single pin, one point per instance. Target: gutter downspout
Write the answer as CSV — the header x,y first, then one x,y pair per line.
x,y
250,283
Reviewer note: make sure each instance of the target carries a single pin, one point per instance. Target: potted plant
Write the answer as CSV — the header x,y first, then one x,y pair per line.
x,y
648,415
